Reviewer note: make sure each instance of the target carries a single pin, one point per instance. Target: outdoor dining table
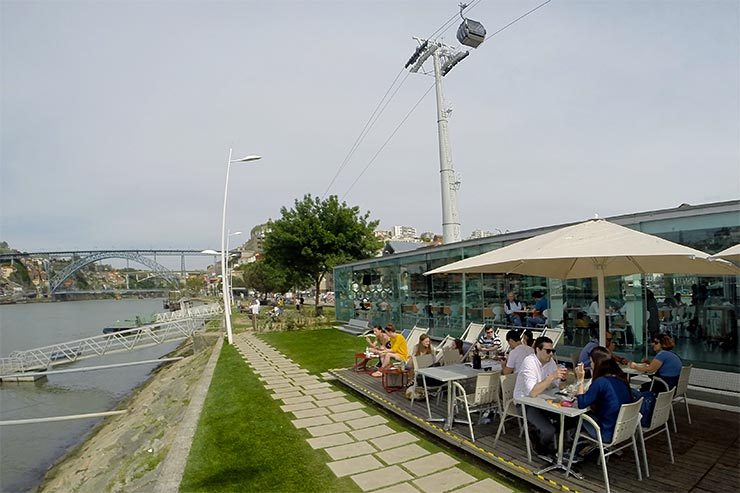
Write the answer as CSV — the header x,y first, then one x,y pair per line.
x,y
448,374
549,401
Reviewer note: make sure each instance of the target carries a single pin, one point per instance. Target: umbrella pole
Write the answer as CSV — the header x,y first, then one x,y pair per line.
x,y
602,306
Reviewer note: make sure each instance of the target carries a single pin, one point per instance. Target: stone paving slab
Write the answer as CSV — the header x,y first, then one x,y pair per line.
x,y
328,376
383,477
348,415
297,407
280,386
329,440
398,488
487,485
330,429
401,454
395,440
350,450
372,432
443,481
340,408
286,395
298,400
310,413
317,385
313,421
367,422
430,464
347,467
330,402
327,392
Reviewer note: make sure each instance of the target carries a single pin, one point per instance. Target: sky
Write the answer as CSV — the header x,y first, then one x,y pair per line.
x,y
116,118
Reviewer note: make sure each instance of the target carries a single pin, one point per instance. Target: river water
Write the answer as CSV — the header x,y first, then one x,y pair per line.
x,y
27,451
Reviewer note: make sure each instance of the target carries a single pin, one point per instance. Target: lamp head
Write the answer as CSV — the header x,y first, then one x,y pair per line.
x,y
211,252
246,159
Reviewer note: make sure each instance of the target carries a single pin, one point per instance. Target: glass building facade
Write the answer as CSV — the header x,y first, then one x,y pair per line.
x,y
704,323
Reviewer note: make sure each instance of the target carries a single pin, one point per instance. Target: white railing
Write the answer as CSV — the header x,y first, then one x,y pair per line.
x,y
201,311
116,342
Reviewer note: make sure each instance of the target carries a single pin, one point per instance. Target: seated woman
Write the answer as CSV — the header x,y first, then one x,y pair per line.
x,y
608,391
423,347
666,365
398,351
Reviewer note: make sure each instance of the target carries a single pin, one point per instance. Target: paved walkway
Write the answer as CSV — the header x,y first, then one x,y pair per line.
x,y
357,444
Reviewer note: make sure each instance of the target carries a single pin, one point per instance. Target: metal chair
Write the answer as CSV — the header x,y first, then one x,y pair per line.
x,y
628,421
681,389
509,409
423,361
658,424
484,398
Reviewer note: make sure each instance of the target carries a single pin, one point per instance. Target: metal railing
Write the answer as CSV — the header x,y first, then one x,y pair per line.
x,y
126,340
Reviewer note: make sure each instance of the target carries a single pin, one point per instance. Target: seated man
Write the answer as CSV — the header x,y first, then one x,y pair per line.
x,y
518,351
538,373
513,308
540,305
487,344
398,351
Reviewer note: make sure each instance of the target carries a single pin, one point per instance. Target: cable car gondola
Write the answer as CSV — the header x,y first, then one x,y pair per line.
x,y
470,33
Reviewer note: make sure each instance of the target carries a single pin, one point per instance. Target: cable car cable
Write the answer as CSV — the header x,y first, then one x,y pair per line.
x,y
370,122
519,18
398,127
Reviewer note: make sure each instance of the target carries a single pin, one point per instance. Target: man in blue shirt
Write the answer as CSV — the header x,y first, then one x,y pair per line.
x,y
540,305
594,342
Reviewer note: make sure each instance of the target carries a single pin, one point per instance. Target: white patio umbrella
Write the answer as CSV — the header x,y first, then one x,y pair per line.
x,y
732,254
595,248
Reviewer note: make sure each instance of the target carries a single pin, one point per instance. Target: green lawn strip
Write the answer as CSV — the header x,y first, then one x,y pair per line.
x,y
323,349
245,442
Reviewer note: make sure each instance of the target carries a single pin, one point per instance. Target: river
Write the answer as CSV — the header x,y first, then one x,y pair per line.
x,y
27,451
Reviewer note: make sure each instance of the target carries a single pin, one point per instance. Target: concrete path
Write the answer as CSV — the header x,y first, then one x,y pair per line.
x,y
356,444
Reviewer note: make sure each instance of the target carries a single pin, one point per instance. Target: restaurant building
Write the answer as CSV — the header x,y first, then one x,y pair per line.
x,y
393,288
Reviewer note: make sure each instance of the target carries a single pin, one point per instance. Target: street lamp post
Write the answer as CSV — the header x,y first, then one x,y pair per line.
x,y
231,270
224,282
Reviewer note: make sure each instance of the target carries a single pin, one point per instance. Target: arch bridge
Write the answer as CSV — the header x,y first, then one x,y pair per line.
x,y
158,269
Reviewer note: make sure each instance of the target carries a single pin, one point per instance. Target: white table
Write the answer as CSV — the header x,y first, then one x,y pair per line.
x,y
540,402
448,374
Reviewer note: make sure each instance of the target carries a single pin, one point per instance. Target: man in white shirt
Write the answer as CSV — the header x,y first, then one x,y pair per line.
x,y
513,309
518,351
254,310
537,373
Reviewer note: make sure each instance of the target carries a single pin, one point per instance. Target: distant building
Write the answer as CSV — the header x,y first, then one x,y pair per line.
x,y
403,232
382,234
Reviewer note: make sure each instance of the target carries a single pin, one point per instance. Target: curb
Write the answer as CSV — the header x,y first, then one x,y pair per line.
x,y
173,466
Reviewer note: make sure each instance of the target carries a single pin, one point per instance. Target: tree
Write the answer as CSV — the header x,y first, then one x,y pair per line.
x,y
195,284
265,277
316,235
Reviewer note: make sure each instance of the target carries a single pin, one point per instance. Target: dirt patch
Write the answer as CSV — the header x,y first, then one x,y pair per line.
x,y
125,452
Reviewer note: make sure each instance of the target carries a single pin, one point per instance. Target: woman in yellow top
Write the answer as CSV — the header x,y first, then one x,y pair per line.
x,y
399,350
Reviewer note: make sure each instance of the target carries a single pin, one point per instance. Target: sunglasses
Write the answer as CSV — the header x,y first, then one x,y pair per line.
x,y
656,342
549,351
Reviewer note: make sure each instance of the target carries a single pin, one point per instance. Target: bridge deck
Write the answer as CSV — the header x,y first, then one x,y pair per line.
x,y
707,453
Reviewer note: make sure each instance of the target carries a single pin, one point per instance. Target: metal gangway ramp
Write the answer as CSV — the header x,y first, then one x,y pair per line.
x,y
180,327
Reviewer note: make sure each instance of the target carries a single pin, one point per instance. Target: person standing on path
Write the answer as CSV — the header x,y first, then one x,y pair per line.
x,y
254,311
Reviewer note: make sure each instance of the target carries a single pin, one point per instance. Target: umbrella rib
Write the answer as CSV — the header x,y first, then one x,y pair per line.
x,y
569,269
636,264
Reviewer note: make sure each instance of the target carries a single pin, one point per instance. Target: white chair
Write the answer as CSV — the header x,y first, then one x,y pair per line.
x,y
501,334
546,315
484,398
681,389
498,315
628,422
450,356
419,362
554,334
509,409
658,424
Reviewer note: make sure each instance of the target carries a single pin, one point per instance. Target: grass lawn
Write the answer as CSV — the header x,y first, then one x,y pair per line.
x,y
323,349
244,442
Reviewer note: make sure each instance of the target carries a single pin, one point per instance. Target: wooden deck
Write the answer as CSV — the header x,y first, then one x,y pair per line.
x,y
707,453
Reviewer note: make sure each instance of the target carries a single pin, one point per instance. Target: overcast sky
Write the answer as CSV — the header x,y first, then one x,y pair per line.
x,y
117,116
